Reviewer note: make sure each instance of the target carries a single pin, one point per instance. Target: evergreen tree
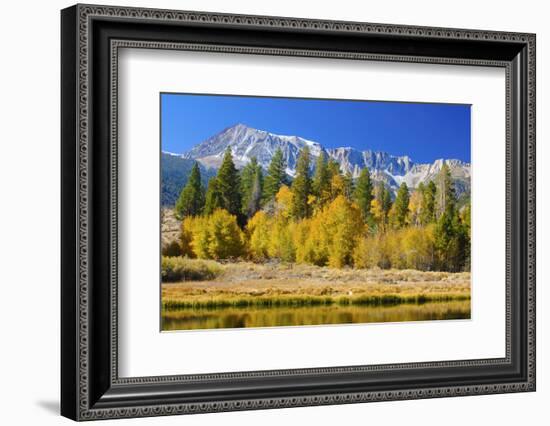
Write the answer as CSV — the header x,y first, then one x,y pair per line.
x,y
381,205
229,185
321,180
428,203
445,201
251,183
465,217
276,176
400,209
254,198
333,168
451,235
451,243
384,197
349,186
191,199
301,186
247,175
363,194
213,199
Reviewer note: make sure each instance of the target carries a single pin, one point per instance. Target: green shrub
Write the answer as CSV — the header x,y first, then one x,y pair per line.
x,y
172,249
174,269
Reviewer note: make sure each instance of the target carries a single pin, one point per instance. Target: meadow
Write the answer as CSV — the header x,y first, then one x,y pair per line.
x,y
210,294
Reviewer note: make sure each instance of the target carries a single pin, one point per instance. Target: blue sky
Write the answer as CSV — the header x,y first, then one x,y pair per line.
x,y
423,131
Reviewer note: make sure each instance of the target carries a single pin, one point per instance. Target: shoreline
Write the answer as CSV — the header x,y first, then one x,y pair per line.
x,y
217,302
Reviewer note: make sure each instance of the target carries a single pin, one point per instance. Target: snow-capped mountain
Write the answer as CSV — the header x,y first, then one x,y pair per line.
x,y
394,170
246,142
353,161
422,173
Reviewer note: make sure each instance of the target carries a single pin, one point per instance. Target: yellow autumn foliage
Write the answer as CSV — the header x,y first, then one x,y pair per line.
x,y
283,202
378,214
416,204
407,248
418,247
214,237
271,236
337,186
335,235
186,236
329,237
259,235
370,252
281,245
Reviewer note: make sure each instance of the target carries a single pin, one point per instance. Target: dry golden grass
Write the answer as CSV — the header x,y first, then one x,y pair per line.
x,y
275,284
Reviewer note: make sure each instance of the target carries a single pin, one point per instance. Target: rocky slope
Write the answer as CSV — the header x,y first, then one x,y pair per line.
x,y
246,142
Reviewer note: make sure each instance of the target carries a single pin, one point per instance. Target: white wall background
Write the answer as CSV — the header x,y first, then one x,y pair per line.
x,y
29,212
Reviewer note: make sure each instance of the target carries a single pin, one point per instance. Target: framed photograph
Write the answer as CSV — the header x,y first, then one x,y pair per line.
x,y
263,212
331,234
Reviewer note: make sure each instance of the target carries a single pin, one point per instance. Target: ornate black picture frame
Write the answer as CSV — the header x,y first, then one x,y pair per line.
x,y
91,388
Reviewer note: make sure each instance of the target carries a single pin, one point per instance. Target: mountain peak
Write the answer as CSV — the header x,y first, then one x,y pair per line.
x,y
235,128
238,126
246,142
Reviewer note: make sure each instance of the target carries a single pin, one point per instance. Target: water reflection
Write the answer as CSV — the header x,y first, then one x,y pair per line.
x,y
192,319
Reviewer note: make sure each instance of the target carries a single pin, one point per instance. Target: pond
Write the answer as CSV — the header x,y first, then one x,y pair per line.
x,y
193,319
